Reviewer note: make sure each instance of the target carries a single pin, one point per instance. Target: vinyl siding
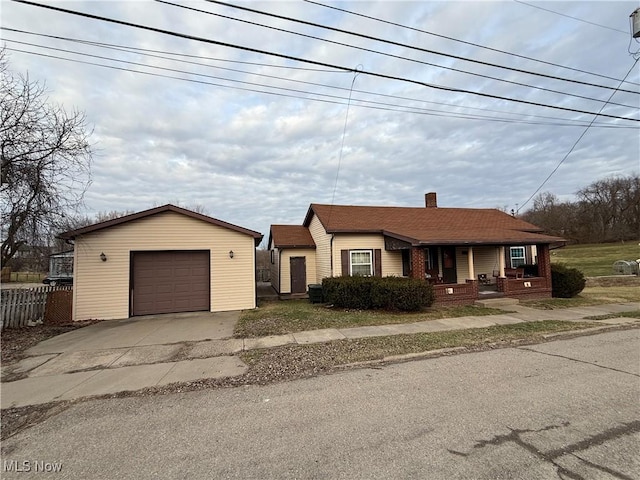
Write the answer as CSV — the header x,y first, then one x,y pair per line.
x,y
101,289
285,270
391,260
323,250
485,260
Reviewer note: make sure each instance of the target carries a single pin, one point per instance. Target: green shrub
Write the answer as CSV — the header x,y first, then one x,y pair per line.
x,y
389,293
566,282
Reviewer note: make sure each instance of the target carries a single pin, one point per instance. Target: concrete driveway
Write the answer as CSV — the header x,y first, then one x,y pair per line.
x,y
130,354
141,331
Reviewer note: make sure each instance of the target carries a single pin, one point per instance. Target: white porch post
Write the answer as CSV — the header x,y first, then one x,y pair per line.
x,y
501,261
472,273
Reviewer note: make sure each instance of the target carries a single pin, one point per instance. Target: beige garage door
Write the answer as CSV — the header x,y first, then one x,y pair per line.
x,y
170,282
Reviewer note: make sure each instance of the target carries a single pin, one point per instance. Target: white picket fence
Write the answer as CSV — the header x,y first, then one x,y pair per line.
x,y
22,306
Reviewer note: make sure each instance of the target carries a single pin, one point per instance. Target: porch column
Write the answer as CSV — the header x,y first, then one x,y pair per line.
x,y
501,261
544,262
472,272
417,263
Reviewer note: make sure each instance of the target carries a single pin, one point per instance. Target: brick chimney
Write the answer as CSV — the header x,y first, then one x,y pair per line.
x,y
431,200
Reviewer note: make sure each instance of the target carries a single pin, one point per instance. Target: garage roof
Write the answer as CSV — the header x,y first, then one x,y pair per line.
x,y
72,234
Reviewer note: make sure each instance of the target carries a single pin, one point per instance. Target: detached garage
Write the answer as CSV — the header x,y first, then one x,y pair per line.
x,y
164,260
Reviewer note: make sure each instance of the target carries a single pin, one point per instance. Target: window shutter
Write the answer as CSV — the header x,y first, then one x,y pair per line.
x,y
377,262
344,254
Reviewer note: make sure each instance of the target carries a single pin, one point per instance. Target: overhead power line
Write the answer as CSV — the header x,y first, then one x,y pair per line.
x,y
172,56
312,62
465,42
576,142
389,54
404,45
333,99
572,17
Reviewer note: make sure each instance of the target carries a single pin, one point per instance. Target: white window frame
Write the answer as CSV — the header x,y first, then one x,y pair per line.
x,y
370,263
517,257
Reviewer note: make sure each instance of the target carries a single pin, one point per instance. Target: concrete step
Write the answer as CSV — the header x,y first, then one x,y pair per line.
x,y
497,302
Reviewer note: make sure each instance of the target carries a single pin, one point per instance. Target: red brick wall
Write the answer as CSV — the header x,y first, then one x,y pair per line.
x,y
463,293
544,263
417,262
515,288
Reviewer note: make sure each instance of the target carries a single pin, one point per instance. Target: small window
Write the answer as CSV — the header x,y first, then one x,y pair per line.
x,y
517,257
272,257
361,262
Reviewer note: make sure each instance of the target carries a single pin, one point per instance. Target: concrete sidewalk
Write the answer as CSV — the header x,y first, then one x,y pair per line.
x,y
76,373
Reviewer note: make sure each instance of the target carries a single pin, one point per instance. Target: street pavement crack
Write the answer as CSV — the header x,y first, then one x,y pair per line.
x,y
578,361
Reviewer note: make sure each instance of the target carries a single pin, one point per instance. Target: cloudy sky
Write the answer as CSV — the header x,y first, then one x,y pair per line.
x,y
240,120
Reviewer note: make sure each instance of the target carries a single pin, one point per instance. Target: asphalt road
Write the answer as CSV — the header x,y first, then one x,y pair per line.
x,y
566,409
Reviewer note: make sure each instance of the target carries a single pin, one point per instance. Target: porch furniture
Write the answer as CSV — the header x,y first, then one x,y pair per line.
x,y
482,279
432,276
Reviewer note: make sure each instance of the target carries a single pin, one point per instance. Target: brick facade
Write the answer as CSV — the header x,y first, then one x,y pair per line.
x,y
462,293
417,262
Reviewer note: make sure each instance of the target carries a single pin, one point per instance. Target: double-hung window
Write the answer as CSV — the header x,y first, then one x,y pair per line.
x,y
361,262
517,257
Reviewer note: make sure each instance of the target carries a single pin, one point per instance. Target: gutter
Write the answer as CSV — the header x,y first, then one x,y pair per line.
x,y
331,252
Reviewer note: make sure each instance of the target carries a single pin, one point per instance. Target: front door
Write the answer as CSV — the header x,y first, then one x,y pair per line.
x,y
449,265
298,266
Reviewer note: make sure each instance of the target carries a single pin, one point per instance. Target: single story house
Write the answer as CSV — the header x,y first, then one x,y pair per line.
x,y
163,260
466,253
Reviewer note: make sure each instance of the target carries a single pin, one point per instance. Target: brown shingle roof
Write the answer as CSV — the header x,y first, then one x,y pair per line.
x,y
291,236
435,226
153,211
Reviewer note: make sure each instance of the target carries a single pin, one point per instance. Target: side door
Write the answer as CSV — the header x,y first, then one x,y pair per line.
x,y
298,268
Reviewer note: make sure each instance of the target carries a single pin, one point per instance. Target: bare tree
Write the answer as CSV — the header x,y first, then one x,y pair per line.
x,y
606,210
46,158
612,208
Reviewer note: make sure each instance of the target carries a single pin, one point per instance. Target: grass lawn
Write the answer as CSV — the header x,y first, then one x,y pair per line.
x,y
589,296
595,259
277,318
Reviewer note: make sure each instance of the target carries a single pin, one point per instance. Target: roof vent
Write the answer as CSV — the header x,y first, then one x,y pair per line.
x,y
431,200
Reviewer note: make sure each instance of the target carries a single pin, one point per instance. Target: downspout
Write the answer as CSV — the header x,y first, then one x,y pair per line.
x,y
331,253
255,274
279,271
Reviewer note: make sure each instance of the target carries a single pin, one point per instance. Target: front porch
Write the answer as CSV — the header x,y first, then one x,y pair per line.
x,y
462,274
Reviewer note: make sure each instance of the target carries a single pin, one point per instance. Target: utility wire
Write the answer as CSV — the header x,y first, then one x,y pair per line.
x,y
570,16
136,50
404,45
575,144
129,49
370,104
464,42
164,52
388,54
344,133
312,62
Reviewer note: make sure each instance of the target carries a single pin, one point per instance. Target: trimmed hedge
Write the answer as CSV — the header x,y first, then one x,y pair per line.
x,y
388,293
566,282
